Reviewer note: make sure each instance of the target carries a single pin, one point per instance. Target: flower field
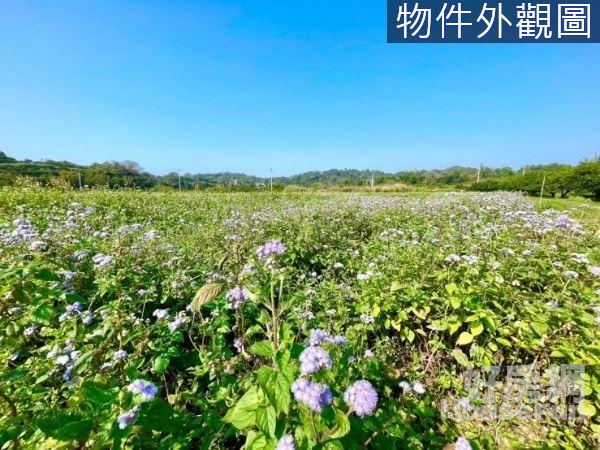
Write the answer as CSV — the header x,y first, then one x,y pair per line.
x,y
288,321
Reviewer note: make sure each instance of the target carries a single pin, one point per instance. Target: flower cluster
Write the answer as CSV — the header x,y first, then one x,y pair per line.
x,y
315,396
462,444
128,417
66,358
272,247
102,261
314,358
237,297
286,443
146,390
362,398
71,311
160,314
416,387
318,337
365,318
179,320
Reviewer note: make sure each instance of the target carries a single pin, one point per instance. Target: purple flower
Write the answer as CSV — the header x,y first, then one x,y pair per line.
x,y
462,444
570,274
595,271
367,319
286,443
175,324
87,318
74,308
128,417
339,340
67,374
315,396
161,313
63,360
317,337
314,358
362,398
146,390
237,297
452,259
101,261
272,247
119,355
80,255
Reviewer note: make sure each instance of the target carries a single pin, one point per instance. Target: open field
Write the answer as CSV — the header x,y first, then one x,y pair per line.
x,y
326,320
584,210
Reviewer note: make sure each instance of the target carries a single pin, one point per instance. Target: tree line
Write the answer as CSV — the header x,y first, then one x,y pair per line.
x,y
558,179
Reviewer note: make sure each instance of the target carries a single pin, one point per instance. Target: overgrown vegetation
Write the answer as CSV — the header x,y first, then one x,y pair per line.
x,y
298,320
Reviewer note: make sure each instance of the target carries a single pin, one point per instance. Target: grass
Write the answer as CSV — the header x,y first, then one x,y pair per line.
x,y
585,210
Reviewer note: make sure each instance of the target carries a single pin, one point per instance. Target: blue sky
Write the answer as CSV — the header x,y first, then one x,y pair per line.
x,y
205,86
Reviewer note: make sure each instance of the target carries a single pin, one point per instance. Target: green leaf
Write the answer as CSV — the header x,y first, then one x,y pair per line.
x,y
43,313
66,426
160,416
342,425
437,325
540,328
13,329
255,441
282,393
376,310
161,362
451,288
98,394
586,408
243,414
266,377
266,420
83,362
453,326
46,275
263,348
455,302
396,286
460,357
504,342
464,338
476,328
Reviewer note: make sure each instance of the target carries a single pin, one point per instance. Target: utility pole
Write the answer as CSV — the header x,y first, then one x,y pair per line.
x,y
80,187
479,174
542,190
372,180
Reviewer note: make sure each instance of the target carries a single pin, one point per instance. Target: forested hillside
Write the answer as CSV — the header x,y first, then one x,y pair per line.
x,y
559,180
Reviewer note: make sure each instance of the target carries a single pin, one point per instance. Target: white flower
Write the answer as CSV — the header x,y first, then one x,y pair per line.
x,y
418,388
405,386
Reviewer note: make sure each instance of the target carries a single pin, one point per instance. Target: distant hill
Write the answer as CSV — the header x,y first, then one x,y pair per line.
x,y
561,179
4,159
